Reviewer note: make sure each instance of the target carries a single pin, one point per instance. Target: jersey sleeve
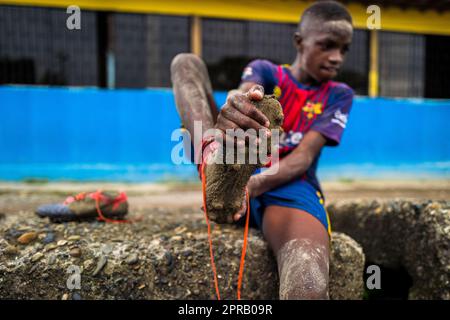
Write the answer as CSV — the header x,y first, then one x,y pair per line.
x,y
262,72
332,122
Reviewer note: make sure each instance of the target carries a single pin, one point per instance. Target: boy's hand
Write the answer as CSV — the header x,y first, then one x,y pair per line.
x,y
239,112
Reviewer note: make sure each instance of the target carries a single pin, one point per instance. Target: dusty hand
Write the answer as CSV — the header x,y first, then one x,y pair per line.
x,y
239,113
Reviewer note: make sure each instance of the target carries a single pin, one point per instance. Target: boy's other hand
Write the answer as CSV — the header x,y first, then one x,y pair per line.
x,y
254,190
238,215
239,113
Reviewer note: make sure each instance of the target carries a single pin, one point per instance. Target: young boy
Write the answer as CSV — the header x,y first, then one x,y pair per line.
x,y
288,204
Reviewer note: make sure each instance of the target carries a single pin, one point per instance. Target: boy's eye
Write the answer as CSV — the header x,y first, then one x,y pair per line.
x,y
324,45
328,45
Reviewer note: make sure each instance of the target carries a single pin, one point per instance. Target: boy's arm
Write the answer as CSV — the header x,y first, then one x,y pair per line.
x,y
294,165
327,129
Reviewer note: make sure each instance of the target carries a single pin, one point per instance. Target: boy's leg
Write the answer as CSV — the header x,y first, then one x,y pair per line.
x,y
193,92
301,245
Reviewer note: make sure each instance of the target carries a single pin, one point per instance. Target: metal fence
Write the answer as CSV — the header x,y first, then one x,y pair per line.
x,y
37,48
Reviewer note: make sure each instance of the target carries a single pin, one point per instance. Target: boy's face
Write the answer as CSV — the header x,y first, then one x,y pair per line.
x,y
322,50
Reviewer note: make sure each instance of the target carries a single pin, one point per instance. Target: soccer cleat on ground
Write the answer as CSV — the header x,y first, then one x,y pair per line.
x,y
105,206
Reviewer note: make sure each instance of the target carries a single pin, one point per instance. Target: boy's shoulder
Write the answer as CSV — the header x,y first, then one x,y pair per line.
x,y
341,89
261,65
263,62
261,71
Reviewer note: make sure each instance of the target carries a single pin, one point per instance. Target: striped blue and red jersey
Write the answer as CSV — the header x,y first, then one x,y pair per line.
x,y
323,108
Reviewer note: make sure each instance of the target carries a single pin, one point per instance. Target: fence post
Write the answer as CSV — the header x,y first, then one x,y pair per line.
x,y
373,73
196,35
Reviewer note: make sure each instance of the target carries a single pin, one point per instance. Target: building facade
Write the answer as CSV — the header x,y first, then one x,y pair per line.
x,y
131,45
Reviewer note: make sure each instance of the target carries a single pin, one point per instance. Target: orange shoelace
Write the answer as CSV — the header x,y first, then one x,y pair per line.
x,y
244,246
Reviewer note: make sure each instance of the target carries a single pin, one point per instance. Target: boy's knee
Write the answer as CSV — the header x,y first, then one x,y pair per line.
x,y
185,60
303,269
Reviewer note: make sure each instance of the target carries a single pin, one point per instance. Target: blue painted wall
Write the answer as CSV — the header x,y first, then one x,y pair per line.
x,y
92,134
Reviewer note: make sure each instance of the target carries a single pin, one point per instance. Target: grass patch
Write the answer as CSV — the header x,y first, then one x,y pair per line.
x,y
346,180
35,181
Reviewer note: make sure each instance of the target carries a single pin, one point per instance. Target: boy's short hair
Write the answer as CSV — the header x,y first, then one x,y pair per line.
x,y
323,11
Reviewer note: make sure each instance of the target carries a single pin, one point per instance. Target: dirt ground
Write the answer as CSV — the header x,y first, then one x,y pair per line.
x,y
168,210
152,259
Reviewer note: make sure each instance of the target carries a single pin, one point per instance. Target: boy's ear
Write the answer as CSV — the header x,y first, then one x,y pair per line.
x,y
298,41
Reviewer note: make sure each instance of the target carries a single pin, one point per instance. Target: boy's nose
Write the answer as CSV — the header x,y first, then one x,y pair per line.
x,y
335,57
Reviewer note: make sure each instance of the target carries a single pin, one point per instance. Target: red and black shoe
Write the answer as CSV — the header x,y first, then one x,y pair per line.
x,y
103,206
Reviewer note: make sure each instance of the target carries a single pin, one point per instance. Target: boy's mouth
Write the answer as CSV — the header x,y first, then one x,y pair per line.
x,y
330,70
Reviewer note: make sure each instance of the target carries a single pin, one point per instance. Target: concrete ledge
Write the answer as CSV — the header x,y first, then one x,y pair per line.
x,y
413,235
